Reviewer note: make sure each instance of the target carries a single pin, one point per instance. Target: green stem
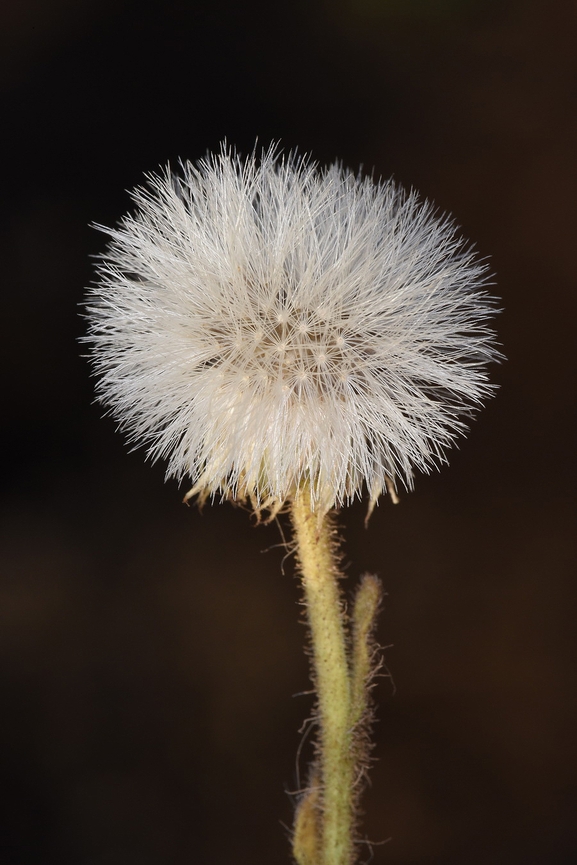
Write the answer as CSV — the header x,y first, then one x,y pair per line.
x,y
364,664
316,553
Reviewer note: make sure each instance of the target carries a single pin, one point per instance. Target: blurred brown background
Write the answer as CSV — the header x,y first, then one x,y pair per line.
x,y
149,655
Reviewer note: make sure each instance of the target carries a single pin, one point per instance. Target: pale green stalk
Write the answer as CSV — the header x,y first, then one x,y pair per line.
x,y
325,615
325,819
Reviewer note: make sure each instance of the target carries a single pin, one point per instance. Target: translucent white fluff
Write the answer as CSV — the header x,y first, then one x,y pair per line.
x,y
264,324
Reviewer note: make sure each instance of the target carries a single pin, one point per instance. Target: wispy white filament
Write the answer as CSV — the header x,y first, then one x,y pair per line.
x,y
261,323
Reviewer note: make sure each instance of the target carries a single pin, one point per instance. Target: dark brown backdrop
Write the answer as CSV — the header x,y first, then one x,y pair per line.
x,y
148,655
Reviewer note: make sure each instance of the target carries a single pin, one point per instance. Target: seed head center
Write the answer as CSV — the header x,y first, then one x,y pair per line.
x,y
292,346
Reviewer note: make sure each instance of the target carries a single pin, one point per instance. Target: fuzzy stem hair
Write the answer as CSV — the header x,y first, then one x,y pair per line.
x,y
325,819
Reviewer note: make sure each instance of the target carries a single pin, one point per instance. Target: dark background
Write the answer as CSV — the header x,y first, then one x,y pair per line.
x,y
149,654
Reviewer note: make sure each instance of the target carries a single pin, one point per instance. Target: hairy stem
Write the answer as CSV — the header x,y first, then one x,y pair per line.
x,y
364,663
316,553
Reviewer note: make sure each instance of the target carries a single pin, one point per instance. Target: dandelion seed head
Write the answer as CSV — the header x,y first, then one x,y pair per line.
x,y
263,325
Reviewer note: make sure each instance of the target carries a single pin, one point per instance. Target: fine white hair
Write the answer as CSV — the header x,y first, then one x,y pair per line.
x,y
266,325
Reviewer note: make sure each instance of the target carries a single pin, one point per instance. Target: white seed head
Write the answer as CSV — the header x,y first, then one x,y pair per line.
x,y
265,325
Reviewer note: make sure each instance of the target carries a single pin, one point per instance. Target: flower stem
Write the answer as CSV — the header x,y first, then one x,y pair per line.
x,y
331,839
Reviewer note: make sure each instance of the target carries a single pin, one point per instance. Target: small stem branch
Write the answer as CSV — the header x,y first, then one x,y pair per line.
x,y
316,549
363,650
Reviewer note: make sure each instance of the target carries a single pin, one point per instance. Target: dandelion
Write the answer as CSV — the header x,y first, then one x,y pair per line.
x,y
266,324
295,336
